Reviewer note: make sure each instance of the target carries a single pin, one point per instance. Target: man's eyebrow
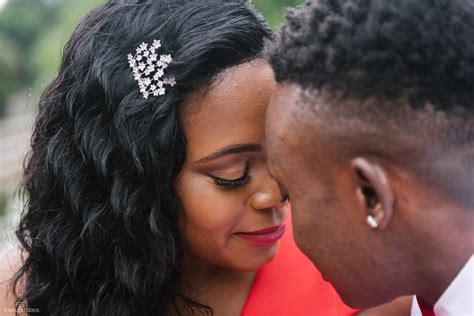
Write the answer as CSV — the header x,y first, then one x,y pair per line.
x,y
231,149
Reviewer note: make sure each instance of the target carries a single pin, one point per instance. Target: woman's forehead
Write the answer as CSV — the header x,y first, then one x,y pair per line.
x,y
232,111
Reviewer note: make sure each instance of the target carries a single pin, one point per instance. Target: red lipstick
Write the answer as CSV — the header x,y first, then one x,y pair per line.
x,y
264,237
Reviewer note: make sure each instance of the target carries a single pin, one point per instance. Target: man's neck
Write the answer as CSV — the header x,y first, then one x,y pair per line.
x,y
443,263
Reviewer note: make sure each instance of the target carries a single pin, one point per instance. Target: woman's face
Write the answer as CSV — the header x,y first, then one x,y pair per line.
x,y
232,215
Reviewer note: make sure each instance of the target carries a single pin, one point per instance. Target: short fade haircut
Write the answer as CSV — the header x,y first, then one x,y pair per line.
x,y
415,58
419,49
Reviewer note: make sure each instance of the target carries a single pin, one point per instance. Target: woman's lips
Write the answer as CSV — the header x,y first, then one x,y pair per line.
x,y
264,237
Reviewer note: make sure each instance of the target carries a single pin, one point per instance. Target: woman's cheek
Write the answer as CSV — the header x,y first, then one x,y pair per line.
x,y
218,214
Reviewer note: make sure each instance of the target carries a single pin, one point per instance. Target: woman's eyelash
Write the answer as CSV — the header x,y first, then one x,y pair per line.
x,y
234,183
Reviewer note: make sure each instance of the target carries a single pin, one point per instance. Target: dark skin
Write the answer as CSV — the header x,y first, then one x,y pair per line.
x,y
224,188
224,128
334,186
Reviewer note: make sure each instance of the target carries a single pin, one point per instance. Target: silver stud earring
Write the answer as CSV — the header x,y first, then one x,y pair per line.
x,y
372,222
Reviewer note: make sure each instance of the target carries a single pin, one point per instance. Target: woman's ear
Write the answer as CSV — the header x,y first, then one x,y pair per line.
x,y
374,191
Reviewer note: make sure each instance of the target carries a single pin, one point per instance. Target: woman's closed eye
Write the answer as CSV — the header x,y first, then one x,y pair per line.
x,y
232,179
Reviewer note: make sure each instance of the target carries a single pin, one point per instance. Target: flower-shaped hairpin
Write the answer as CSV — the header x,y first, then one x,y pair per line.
x,y
148,69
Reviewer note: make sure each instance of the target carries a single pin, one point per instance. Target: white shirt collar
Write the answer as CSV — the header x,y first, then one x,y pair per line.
x,y
458,298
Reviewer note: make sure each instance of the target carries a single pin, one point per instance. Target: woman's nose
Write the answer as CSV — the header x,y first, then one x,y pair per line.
x,y
268,198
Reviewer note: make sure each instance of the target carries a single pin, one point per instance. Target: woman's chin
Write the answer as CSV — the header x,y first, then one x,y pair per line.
x,y
257,259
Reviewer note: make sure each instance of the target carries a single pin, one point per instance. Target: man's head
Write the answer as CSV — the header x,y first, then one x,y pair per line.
x,y
371,133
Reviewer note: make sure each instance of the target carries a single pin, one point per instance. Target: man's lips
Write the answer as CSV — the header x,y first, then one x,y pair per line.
x,y
263,237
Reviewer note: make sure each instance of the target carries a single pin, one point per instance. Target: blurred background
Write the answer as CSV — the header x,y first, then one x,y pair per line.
x,y
32,35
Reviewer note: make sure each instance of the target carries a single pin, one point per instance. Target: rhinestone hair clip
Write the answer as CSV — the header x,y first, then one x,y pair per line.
x,y
148,69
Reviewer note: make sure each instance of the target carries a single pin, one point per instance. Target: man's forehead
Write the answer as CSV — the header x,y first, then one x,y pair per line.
x,y
279,117
287,89
284,103
304,122
287,126
289,110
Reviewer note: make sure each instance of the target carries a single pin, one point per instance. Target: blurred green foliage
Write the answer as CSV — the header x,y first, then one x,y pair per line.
x,y
34,32
10,65
22,23
274,10
3,205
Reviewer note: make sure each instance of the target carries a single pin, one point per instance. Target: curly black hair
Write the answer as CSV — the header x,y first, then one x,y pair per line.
x,y
99,230
422,50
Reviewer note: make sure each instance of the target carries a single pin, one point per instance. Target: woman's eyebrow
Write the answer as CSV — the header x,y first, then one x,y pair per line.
x,y
231,149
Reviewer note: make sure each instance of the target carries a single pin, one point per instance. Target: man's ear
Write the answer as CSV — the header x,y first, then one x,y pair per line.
x,y
375,192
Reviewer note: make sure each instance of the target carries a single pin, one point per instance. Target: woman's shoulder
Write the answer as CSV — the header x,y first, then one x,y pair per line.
x,y
10,262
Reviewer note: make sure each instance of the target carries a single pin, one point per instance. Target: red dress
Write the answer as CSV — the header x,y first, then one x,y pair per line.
x,y
290,285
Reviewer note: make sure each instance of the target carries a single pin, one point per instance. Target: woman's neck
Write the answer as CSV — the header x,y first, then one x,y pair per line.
x,y
224,290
